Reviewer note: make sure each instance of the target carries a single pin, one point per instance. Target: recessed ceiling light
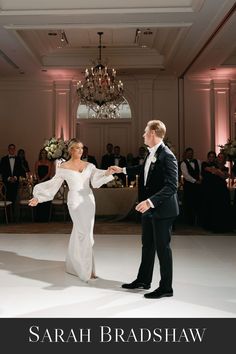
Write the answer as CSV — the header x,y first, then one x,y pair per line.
x,y
52,33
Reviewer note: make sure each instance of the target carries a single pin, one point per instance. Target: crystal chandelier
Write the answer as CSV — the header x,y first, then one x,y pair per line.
x,y
100,91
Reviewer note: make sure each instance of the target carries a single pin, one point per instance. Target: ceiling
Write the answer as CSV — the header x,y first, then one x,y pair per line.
x,y
174,37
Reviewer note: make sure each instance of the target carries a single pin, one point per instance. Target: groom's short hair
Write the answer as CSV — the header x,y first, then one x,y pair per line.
x,y
158,126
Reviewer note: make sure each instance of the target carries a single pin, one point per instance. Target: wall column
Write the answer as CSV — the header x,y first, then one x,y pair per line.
x,y
222,116
62,109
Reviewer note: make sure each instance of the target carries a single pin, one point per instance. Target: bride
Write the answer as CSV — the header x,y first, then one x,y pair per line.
x,y
81,204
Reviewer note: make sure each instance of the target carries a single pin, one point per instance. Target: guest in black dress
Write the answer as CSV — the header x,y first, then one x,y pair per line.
x,y
24,162
208,190
219,207
43,172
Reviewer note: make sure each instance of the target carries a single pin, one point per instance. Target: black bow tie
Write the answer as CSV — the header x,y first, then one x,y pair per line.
x,y
12,157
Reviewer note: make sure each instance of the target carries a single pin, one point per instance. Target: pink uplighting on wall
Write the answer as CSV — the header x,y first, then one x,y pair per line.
x,y
221,119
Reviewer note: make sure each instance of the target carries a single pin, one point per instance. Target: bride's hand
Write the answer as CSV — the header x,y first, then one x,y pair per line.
x,y
109,171
33,202
115,169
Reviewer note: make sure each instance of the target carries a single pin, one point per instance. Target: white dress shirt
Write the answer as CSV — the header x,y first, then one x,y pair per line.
x,y
12,164
148,162
185,172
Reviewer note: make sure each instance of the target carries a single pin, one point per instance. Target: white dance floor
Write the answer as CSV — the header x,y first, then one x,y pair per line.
x,y
34,283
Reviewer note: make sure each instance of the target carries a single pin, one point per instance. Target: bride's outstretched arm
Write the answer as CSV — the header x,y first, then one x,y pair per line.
x,y
45,191
100,177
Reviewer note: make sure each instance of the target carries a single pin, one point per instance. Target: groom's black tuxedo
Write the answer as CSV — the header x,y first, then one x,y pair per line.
x,y
161,190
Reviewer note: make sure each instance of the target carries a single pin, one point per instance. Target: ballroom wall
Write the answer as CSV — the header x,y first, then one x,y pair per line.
x,y
208,118
197,113
31,112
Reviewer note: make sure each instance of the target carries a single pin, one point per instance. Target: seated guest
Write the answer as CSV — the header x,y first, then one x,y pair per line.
x,y
107,159
87,157
24,162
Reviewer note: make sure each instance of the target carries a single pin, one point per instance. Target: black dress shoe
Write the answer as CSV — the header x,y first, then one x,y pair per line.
x,y
136,285
158,293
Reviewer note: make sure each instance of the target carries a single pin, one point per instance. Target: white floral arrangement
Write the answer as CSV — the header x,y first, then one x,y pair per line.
x,y
153,160
56,149
229,149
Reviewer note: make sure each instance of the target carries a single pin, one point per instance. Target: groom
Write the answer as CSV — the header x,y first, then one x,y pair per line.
x,y
158,179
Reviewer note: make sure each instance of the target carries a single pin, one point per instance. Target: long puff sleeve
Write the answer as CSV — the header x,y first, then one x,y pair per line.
x,y
98,177
46,191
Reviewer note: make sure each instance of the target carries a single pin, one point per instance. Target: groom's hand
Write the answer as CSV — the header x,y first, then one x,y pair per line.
x,y
143,206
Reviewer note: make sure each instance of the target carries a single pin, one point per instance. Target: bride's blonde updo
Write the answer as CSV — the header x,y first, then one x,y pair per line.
x,y
72,143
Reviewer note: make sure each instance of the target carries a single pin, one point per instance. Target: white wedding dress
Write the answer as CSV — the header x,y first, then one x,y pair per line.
x,y
81,205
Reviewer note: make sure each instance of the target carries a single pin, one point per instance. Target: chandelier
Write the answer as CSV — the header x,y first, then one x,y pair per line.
x,y
100,91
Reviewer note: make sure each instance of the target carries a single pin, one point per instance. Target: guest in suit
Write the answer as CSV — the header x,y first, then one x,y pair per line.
x,y
130,161
118,159
191,171
11,170
142,152
158,181
87,157
107,159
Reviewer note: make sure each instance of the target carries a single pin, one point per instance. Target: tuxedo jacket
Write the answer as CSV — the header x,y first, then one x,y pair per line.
x,y
107,161
162,183
122,161
5,168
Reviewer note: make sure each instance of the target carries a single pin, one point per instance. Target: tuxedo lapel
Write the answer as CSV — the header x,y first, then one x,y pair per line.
x,y
155,161
10,172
